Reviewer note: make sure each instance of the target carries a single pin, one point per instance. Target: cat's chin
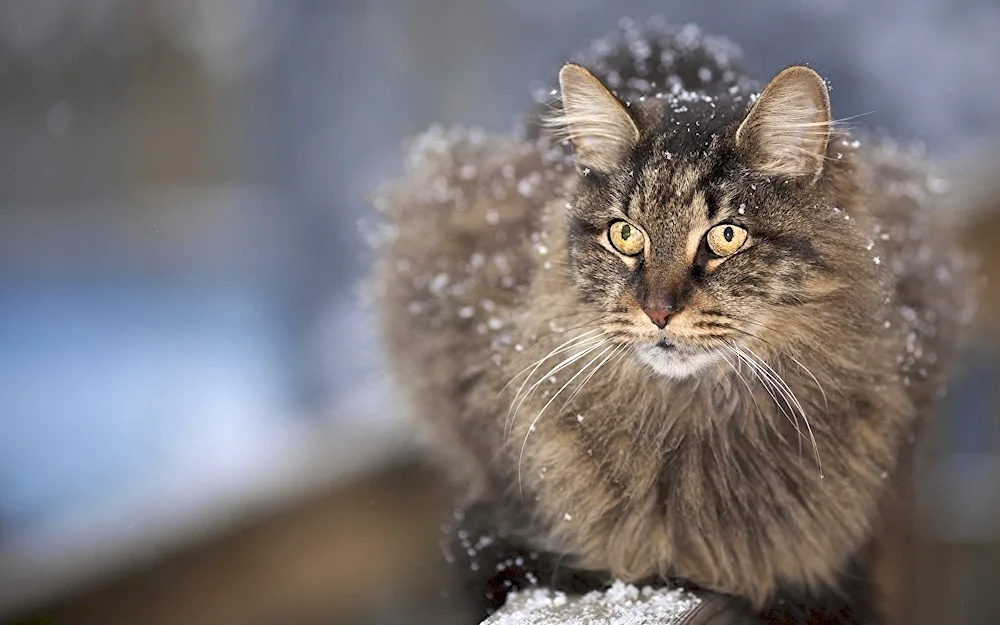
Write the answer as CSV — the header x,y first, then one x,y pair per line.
x,y
669,362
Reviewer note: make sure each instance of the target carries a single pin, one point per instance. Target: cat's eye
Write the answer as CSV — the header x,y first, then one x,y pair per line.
x,y
626,238
726,239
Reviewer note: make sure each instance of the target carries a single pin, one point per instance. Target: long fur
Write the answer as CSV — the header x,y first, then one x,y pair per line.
x,y
761,465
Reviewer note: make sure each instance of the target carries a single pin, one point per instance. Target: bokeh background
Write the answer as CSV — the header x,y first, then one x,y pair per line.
x,y
194,422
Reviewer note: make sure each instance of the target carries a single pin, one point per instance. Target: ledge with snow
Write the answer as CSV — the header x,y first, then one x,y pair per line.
x,y
622,604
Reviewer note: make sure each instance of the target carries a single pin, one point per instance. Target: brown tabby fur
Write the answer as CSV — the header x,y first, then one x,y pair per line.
x,y
495,259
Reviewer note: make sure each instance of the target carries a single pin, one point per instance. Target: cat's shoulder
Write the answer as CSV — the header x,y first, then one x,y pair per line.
x,y
468,177
458,226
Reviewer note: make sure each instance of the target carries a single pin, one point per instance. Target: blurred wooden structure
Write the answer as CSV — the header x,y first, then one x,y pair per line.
x,y
365,552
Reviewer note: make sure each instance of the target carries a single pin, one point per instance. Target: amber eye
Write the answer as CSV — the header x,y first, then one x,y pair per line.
x,y
726,239
626,238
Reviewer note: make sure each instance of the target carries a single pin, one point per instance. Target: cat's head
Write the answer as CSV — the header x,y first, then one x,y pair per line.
x,y
700,224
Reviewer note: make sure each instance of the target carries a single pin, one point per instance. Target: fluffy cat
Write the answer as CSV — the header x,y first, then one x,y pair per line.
x,y
697,346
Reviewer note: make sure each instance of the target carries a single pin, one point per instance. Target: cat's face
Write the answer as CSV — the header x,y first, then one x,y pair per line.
x,y
696,250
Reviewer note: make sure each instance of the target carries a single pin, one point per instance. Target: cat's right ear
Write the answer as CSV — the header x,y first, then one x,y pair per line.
x,y
600,128
788,128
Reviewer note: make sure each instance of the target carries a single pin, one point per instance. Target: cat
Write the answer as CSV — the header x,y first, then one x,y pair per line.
x,y
675,330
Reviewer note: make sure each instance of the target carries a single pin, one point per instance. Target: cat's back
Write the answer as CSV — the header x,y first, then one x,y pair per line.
x,y
458,246
915,235
653,58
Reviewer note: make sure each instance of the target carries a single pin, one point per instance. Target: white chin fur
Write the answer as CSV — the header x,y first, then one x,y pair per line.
x,y
670,363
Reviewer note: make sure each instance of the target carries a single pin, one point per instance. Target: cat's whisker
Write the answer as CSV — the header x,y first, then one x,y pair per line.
x,y
562,316
760,415
768,387
604,321
810,373
787,354
805,418
525,353
556,332
599,320
531,427
524,394
561,348
771,388
616,357
572,343
723,376
562,365
579,387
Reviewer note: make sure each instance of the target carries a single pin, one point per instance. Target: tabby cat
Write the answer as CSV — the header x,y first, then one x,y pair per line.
x,y
674,331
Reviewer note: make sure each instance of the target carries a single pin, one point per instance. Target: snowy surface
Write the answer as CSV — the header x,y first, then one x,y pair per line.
x,y
622,604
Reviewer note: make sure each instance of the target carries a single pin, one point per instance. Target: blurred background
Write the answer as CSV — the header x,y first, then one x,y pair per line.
x,y
194,423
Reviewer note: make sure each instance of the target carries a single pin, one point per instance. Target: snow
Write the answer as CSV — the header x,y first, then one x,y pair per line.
x,y
621,604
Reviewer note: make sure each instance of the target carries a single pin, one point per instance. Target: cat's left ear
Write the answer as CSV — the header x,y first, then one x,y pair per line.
x,y
600,128
787,130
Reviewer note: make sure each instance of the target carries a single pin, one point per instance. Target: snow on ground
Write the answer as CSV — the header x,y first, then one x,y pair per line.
x,y
622,604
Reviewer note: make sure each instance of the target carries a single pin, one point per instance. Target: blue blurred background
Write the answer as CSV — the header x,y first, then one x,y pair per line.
x,y
182,347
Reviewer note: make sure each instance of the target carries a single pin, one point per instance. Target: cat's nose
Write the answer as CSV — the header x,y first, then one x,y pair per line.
x,y
659,316
658,307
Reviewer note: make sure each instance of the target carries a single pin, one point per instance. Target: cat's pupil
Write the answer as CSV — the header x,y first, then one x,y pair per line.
x,y
728,234
626,233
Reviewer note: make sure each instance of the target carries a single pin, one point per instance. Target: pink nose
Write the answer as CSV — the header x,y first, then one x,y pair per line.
x,y
659,316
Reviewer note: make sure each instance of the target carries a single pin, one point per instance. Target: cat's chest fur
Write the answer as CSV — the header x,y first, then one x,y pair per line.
x,y
689,482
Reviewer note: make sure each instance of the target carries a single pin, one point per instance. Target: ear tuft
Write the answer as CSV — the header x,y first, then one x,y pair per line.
x,y
787,130
600,128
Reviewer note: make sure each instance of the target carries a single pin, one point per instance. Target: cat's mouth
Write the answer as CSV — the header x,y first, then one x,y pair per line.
x,y
665,345
665,358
